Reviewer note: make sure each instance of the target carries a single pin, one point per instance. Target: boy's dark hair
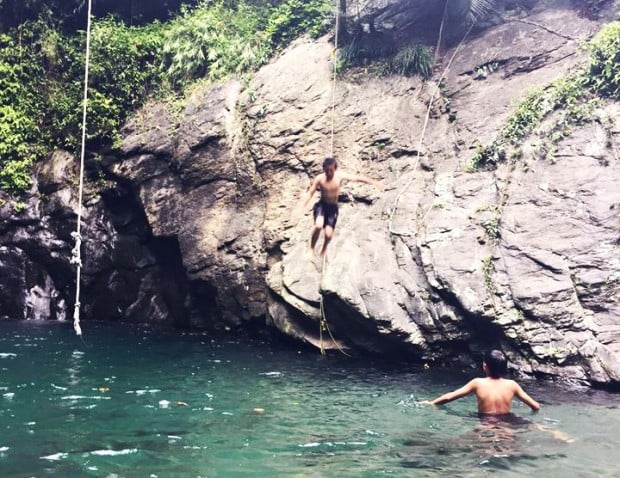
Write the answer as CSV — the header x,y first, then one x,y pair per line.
x,y
329,161
496,363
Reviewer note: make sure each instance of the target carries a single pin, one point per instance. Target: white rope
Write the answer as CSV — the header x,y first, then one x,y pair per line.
x,y
323,325
76,253
441,25
421,140
417,160
334,79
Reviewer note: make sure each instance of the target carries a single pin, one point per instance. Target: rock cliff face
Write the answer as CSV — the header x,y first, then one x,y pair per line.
x,y
194,226
127,274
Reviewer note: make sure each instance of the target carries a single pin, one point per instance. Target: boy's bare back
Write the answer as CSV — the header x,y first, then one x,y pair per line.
x,y
493,392
495,395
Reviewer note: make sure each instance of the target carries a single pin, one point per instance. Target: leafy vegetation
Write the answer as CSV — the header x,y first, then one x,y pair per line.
x,y
19,129
413,60
574,95
604,66
295,17
213,42
487,157
527,115
41,73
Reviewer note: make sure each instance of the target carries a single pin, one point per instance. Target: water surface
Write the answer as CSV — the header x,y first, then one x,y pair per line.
x,y
136,402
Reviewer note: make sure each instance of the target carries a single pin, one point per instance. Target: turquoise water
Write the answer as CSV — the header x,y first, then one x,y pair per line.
x,y
139,403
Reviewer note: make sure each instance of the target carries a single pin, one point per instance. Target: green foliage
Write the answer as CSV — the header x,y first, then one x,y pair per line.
x,y
41,75
123,70
413,60
41,88
604,66
527,115
293,18
19,110
218,38
492,229
488,269
574,95
213,40
566,93
15,175
348,56
487,157
571,93
367,48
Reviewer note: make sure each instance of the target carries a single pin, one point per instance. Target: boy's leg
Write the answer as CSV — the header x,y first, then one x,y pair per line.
x,y
329,232
316,232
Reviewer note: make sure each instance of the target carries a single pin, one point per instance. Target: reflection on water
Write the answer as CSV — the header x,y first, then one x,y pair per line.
x,y
133,402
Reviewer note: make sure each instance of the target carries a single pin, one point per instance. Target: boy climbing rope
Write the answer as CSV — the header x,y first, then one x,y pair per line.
x,y
325,211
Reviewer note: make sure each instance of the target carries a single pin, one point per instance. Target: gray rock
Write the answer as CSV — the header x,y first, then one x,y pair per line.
x,y
441,265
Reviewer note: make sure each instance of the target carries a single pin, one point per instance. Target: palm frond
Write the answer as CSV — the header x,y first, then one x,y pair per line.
x,y
471,10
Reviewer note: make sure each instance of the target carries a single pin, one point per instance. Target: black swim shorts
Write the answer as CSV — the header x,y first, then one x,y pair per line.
x,y
328,211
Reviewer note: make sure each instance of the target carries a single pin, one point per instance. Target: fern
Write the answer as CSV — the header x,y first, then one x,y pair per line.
x,y
413,60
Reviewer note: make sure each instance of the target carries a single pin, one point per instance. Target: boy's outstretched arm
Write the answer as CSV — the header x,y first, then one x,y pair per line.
x,y
525,398
359,178
461,392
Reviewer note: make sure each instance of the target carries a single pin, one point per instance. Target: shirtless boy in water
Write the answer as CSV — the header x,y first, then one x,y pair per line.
x,y
493,392
325,211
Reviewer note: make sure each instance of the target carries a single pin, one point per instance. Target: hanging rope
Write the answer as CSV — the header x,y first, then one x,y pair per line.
x,y
323,325
334,79
440,36
323,322
76,255
423,133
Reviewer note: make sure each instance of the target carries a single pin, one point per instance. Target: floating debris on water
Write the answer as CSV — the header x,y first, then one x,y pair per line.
x,y
127,451
310,445
55,457
84,397
271,374
329,444
144,391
